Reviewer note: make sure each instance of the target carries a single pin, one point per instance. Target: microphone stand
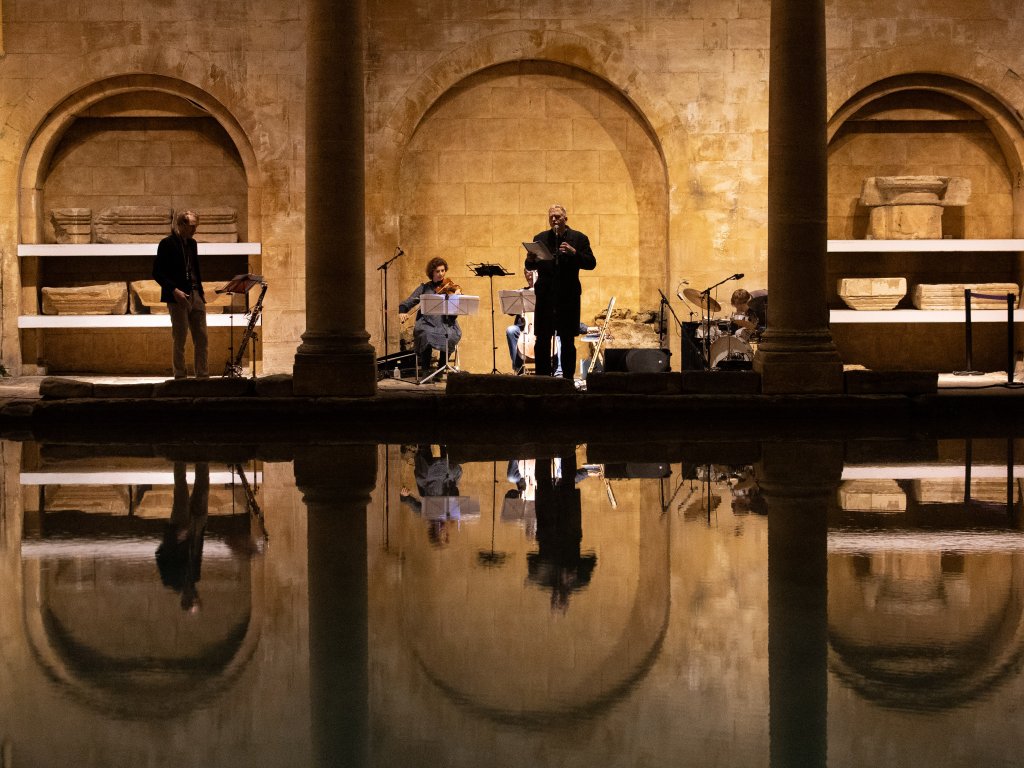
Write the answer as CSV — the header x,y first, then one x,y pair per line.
x,y
705,307
661,327
383,269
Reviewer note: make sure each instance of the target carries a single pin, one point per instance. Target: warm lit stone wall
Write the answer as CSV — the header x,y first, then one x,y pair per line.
x,y
241,63
658,148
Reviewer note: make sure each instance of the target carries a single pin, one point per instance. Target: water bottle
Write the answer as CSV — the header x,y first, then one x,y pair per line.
x,y
397,373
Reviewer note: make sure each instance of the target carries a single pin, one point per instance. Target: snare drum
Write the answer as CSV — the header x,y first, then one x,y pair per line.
x,y
731,351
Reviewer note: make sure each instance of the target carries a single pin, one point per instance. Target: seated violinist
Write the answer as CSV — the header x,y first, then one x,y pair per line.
x,y
433,331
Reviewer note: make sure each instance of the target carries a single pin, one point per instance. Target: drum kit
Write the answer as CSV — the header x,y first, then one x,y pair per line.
x,y
725,344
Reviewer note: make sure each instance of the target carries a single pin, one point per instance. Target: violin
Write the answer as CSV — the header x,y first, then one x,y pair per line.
x,y
447,286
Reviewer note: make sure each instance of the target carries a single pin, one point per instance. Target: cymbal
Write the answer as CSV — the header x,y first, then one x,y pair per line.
x,y
705,302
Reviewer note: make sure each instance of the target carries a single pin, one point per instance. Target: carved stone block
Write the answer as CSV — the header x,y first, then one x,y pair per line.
x,y
133,224
218,224
145,299
72,225
910,207
872,496
872,292
951,295
949,491
96,299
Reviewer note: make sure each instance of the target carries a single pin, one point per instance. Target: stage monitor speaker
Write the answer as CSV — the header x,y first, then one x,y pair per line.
x,y
636,360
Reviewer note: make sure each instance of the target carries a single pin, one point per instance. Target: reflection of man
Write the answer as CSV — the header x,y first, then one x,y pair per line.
x,y
180,555
558,289
435,476
558,563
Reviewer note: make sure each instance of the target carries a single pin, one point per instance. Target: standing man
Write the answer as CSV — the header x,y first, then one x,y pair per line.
x,y
558,289
176,268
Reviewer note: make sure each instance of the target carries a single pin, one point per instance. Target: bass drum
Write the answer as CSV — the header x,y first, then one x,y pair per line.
x,y
730,353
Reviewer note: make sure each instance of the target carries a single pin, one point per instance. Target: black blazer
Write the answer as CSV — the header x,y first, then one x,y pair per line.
x,y
169,267
558,285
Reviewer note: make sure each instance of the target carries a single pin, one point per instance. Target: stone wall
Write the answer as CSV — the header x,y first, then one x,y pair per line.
x,y
648,119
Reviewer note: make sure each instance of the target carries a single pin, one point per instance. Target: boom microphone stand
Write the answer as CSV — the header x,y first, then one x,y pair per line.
x,y
705,308
383,269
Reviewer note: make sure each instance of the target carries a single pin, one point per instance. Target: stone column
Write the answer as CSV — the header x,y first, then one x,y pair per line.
x,y
797,353
798,497
336,505
335,357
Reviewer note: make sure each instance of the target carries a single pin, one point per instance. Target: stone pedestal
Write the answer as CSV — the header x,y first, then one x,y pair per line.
x,y
872,292
910,207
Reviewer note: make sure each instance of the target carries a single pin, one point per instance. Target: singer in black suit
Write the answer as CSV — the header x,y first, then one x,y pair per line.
x,y
558,289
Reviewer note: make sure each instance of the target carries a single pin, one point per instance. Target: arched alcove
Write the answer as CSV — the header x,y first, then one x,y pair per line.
x,y
921,124
490,156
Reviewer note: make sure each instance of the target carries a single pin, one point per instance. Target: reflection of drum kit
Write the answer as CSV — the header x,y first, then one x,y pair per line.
x,y
725,349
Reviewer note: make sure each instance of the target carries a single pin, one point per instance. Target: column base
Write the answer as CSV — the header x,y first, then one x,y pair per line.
x,y
335,365
799,363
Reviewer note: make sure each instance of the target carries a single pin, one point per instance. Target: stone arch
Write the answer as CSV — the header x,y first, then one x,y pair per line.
x,y
573,53
992,90
45,137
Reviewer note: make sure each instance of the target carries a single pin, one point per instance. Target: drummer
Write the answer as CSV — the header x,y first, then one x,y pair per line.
x,y
744,321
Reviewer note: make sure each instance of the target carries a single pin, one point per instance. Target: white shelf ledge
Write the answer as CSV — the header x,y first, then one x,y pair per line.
x,y
128,477
922,246
929,472
133,249
922,316
126,321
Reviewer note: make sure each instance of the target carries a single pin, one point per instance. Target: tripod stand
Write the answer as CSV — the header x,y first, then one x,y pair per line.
x,y
489,271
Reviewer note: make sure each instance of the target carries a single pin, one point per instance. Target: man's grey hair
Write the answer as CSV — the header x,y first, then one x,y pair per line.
x,y
180,216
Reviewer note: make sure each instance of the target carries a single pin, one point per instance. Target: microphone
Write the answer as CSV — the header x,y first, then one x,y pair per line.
x,y
679,293
737,276
400,252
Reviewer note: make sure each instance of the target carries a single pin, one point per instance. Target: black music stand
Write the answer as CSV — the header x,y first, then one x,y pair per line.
x,y
242,284
490,271
446,304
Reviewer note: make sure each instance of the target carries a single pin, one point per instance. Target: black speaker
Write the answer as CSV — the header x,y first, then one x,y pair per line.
x,y
636,360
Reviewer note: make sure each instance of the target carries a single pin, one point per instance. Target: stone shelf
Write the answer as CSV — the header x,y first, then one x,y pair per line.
x,y
923,246
239,321
922,316
127,477
133,249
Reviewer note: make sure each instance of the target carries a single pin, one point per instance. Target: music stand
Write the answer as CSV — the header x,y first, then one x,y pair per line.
x,y
445,304
243,284
489,271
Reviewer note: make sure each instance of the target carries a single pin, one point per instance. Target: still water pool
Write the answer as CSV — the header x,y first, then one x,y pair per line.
x,y
805,604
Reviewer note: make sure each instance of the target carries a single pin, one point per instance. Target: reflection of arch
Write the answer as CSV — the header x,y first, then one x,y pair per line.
x,y
590,686
46,137
143,686
902,666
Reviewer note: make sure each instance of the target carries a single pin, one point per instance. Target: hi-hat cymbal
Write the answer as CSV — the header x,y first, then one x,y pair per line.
x,y
705,302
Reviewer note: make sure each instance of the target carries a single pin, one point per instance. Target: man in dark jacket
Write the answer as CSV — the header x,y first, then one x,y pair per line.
x,y
176,268
558,289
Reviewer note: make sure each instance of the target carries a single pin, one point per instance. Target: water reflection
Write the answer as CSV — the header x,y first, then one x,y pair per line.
x,y
559,605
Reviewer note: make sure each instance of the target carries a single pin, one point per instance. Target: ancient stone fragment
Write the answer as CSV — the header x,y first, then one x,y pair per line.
x,y
94,299
872,292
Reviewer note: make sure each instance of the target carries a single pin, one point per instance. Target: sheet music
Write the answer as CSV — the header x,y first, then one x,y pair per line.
x,y
539,250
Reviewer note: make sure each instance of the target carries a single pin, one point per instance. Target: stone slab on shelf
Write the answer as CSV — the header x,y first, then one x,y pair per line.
x,y
94,299
235,320
943,491
72,225
132,224
872,496
145,298
951,295
867,293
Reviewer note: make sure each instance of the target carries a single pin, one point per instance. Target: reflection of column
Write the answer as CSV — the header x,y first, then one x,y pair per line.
x,y
796,353
335,357
798,493
336,506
